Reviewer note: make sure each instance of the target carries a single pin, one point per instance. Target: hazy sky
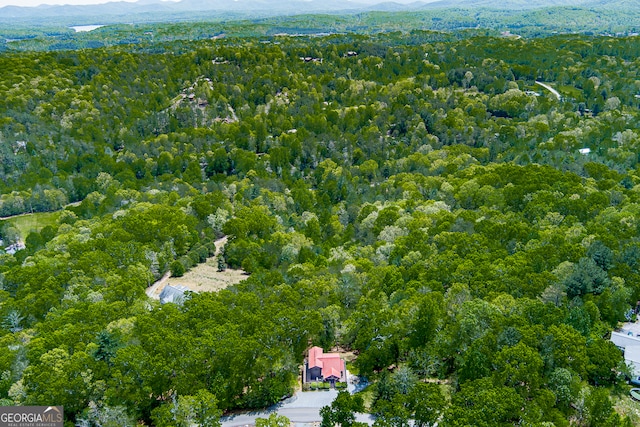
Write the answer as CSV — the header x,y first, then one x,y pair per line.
x,y
39,2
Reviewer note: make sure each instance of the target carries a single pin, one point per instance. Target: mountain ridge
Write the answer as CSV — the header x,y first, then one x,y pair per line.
x,y
156,10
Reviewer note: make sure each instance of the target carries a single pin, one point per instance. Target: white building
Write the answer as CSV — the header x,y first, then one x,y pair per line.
x,y
627,339
174,294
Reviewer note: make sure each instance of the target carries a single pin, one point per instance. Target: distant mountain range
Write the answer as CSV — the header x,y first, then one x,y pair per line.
x,y
156,10
506,4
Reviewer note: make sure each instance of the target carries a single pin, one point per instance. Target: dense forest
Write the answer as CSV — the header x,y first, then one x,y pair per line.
x,y
416,197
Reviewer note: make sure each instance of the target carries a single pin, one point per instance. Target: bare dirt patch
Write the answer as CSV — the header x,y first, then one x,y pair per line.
x,y
204,277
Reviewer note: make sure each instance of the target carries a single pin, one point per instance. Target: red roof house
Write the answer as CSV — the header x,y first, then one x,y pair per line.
x,y
325,366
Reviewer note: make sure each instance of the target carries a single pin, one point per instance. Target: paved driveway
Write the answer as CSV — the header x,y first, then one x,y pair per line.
x,y
309,399
302,417
303,409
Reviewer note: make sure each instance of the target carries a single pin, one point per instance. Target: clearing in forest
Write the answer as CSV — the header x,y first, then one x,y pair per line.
x,y
204,277
27,223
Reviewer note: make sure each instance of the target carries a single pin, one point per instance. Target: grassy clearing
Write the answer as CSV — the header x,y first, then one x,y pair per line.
x,y
25,224
570,91
205,277
202,278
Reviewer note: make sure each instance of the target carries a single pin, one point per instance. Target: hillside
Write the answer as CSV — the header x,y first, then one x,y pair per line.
x,y
457,13
414,197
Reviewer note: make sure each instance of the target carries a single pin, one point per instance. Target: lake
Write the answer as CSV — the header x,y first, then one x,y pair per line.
x,y
82,28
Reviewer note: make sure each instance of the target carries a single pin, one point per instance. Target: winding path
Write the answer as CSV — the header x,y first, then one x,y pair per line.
x,y
151,291
550,89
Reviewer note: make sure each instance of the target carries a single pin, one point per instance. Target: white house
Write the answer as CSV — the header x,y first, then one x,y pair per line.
x,y
632,357
627,339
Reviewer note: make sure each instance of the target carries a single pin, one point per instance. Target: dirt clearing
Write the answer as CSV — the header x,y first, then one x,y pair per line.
x,y
204,277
